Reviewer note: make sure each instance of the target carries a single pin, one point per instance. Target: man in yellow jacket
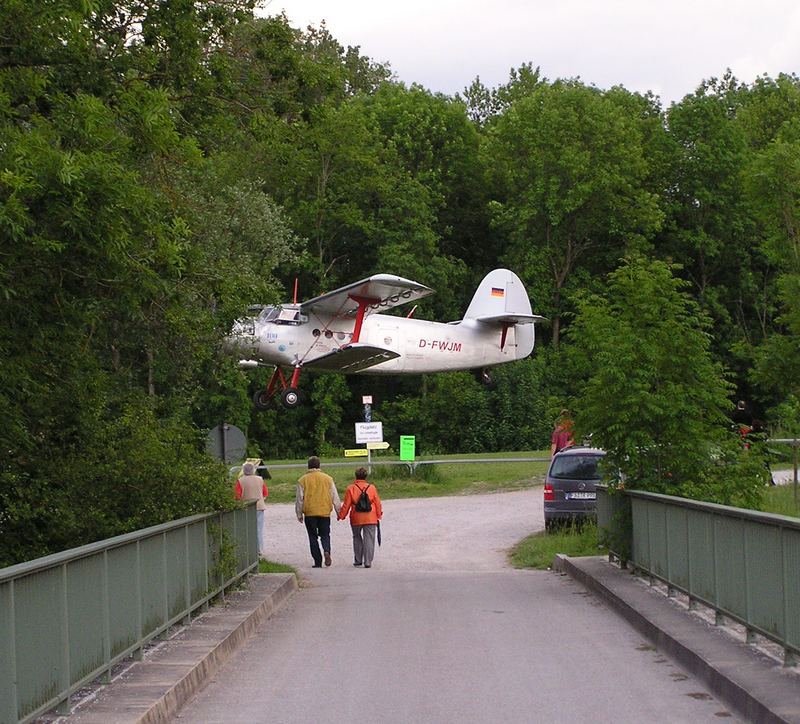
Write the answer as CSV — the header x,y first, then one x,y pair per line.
x,y
316,497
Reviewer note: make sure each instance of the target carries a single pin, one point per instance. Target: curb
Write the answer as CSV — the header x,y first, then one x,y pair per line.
x,y
753,687
156,689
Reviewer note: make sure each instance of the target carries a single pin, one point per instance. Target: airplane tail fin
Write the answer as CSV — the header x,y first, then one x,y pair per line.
x,y
501,300
500,295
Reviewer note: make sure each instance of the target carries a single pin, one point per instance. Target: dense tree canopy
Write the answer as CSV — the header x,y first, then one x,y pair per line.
x,y
165,164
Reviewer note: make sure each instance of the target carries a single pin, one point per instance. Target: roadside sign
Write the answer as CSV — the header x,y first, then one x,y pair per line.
x,y
356,452
369,432
227,443
366,399
377,445
407,448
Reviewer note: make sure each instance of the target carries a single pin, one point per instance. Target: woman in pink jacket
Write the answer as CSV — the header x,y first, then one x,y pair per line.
x,y
250,486
363,524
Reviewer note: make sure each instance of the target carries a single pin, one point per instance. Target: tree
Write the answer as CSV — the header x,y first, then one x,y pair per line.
x,y
483,104
654,398
116,280
773,183
570,166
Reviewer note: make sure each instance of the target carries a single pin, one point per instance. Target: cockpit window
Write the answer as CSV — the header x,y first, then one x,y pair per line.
x,y
268,314
288,315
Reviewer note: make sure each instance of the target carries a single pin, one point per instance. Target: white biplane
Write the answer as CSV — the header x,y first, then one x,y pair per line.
x,y
341,332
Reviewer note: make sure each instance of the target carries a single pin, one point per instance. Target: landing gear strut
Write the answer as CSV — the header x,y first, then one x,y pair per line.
x,y
290,396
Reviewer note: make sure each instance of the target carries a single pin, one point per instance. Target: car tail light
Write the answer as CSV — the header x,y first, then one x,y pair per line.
x,y
548,492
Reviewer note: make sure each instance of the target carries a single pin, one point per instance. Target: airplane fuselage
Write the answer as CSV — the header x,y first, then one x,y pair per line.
x,y
342,331
423,346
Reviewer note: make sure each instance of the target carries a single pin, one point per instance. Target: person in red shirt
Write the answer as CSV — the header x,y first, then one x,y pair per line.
x,y
363,524
562,434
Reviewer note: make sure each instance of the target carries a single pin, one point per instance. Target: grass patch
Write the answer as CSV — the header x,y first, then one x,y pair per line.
x,y
265,566
780,499
395,481
539,549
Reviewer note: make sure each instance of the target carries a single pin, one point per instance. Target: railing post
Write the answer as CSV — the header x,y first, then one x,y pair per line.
x,y
9,706
64,679
187,578
137,655
106,621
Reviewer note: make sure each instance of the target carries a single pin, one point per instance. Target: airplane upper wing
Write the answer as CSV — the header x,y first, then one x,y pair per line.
x,y
351,358
383,291
511,319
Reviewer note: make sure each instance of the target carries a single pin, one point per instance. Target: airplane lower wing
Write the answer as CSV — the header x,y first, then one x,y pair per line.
x,y
351,358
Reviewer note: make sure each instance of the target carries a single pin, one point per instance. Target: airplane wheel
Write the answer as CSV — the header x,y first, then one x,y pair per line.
x,y
290,398
261,401
484,377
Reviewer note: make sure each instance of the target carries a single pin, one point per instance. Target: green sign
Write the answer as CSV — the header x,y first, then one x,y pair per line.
x,y
407,447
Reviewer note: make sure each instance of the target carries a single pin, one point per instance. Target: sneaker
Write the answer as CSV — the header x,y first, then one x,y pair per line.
x,y
317,565
367,565
327,558
358,565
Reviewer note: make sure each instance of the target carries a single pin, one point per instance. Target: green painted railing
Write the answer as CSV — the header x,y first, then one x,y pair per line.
x,y
68,618
741,563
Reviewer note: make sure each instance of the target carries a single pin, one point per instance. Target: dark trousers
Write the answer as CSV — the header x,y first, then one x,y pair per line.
x,y
318,526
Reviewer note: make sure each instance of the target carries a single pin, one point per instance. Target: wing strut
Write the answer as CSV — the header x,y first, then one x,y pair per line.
x,y
363,303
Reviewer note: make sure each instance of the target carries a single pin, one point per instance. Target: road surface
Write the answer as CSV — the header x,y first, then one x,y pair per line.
x,y
441,629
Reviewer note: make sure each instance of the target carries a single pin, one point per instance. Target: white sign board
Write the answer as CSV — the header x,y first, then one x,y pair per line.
x,y
369,432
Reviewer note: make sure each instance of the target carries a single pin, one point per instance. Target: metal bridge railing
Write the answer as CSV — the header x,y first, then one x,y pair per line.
x,y
743,564
68,618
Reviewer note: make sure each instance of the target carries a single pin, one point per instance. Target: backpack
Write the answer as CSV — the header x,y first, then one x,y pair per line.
x,y
363,504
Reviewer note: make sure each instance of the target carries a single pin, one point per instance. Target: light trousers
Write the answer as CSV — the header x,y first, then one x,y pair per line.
x,y
363,543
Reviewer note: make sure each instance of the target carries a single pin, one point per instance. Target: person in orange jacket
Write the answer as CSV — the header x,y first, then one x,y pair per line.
x,y
363,525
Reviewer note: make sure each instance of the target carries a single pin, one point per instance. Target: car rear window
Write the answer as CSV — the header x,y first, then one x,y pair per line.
x,y
576,467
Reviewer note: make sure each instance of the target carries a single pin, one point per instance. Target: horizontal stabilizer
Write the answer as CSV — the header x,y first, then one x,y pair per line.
x,y
511,319
351,358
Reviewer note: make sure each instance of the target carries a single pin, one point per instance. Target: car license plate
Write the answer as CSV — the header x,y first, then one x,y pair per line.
x,y
581,496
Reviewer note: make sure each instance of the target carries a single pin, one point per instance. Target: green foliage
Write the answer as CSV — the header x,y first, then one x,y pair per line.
x,y
772,183
225,564
555,208
110,474
654,399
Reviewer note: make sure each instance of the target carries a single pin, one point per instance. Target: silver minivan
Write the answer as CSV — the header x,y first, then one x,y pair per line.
x,y
569,487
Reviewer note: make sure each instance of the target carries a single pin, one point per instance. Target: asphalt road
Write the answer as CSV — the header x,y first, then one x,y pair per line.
x,y
442,630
